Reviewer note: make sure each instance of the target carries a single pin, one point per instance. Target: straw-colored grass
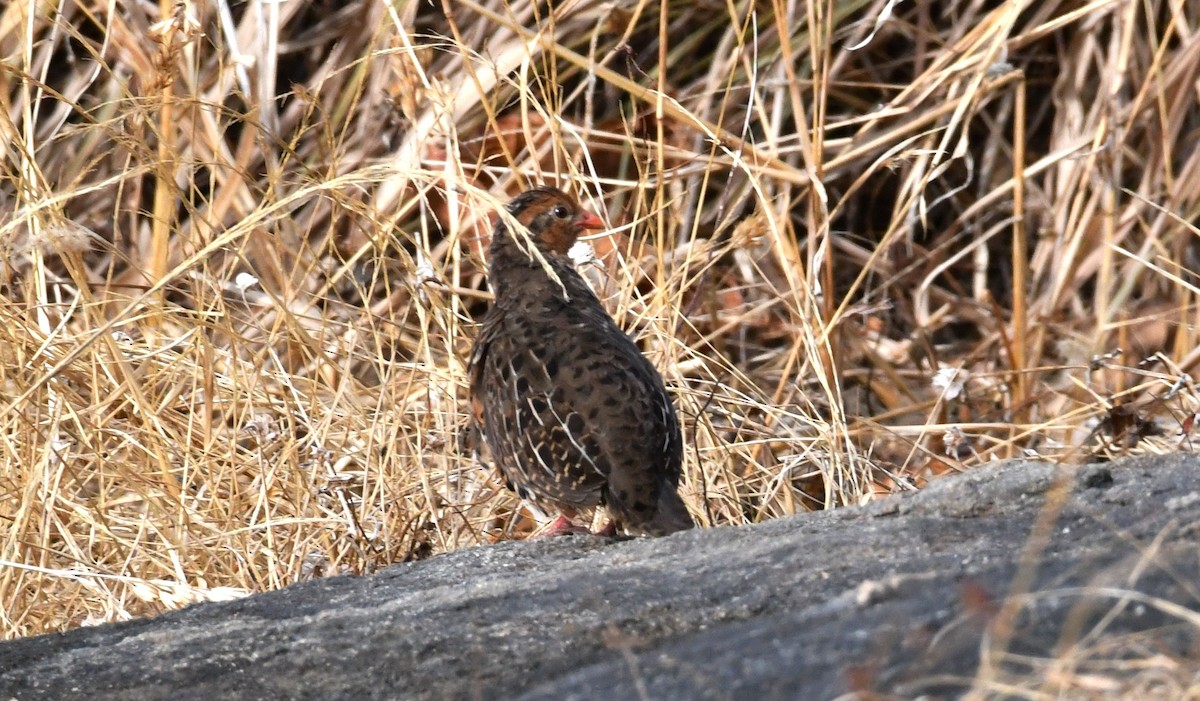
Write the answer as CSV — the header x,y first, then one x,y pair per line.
x,y
865,244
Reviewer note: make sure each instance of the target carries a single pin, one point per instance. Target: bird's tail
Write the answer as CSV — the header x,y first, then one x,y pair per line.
x,y
671,515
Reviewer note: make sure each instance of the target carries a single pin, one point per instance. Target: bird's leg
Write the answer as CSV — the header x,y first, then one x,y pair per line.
x,y
608,531
560,526
563,525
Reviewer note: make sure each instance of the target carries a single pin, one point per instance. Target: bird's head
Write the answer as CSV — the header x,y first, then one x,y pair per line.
x,y
553,219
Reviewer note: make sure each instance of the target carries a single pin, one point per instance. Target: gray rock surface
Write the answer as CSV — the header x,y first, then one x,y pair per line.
x,y
903,597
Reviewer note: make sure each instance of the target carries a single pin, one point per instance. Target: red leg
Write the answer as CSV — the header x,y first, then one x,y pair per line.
x,y
559,526
609,530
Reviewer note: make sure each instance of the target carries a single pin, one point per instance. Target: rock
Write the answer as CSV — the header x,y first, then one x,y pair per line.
x,y
895,597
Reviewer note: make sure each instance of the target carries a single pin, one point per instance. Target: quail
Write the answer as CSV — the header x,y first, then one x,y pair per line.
x,y
573,414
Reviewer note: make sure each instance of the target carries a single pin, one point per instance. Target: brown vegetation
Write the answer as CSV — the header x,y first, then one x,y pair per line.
x,y
865,245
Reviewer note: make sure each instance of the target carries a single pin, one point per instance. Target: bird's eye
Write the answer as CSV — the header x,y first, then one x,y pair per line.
x,y
560,212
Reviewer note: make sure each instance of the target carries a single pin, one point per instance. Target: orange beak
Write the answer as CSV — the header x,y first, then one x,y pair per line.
x,y
587,220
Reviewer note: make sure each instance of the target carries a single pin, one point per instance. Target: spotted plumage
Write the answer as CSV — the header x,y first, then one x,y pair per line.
x,y
573,414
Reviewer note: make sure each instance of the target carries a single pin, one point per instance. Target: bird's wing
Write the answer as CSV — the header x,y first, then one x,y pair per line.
x,y
535,431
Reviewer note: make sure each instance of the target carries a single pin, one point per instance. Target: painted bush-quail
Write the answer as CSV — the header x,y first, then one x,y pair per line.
x,y
572,412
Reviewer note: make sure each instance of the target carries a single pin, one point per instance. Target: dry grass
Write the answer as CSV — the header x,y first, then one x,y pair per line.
x,y
242,261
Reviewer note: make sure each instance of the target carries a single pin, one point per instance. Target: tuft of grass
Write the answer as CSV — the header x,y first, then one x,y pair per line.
x,y
866,243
